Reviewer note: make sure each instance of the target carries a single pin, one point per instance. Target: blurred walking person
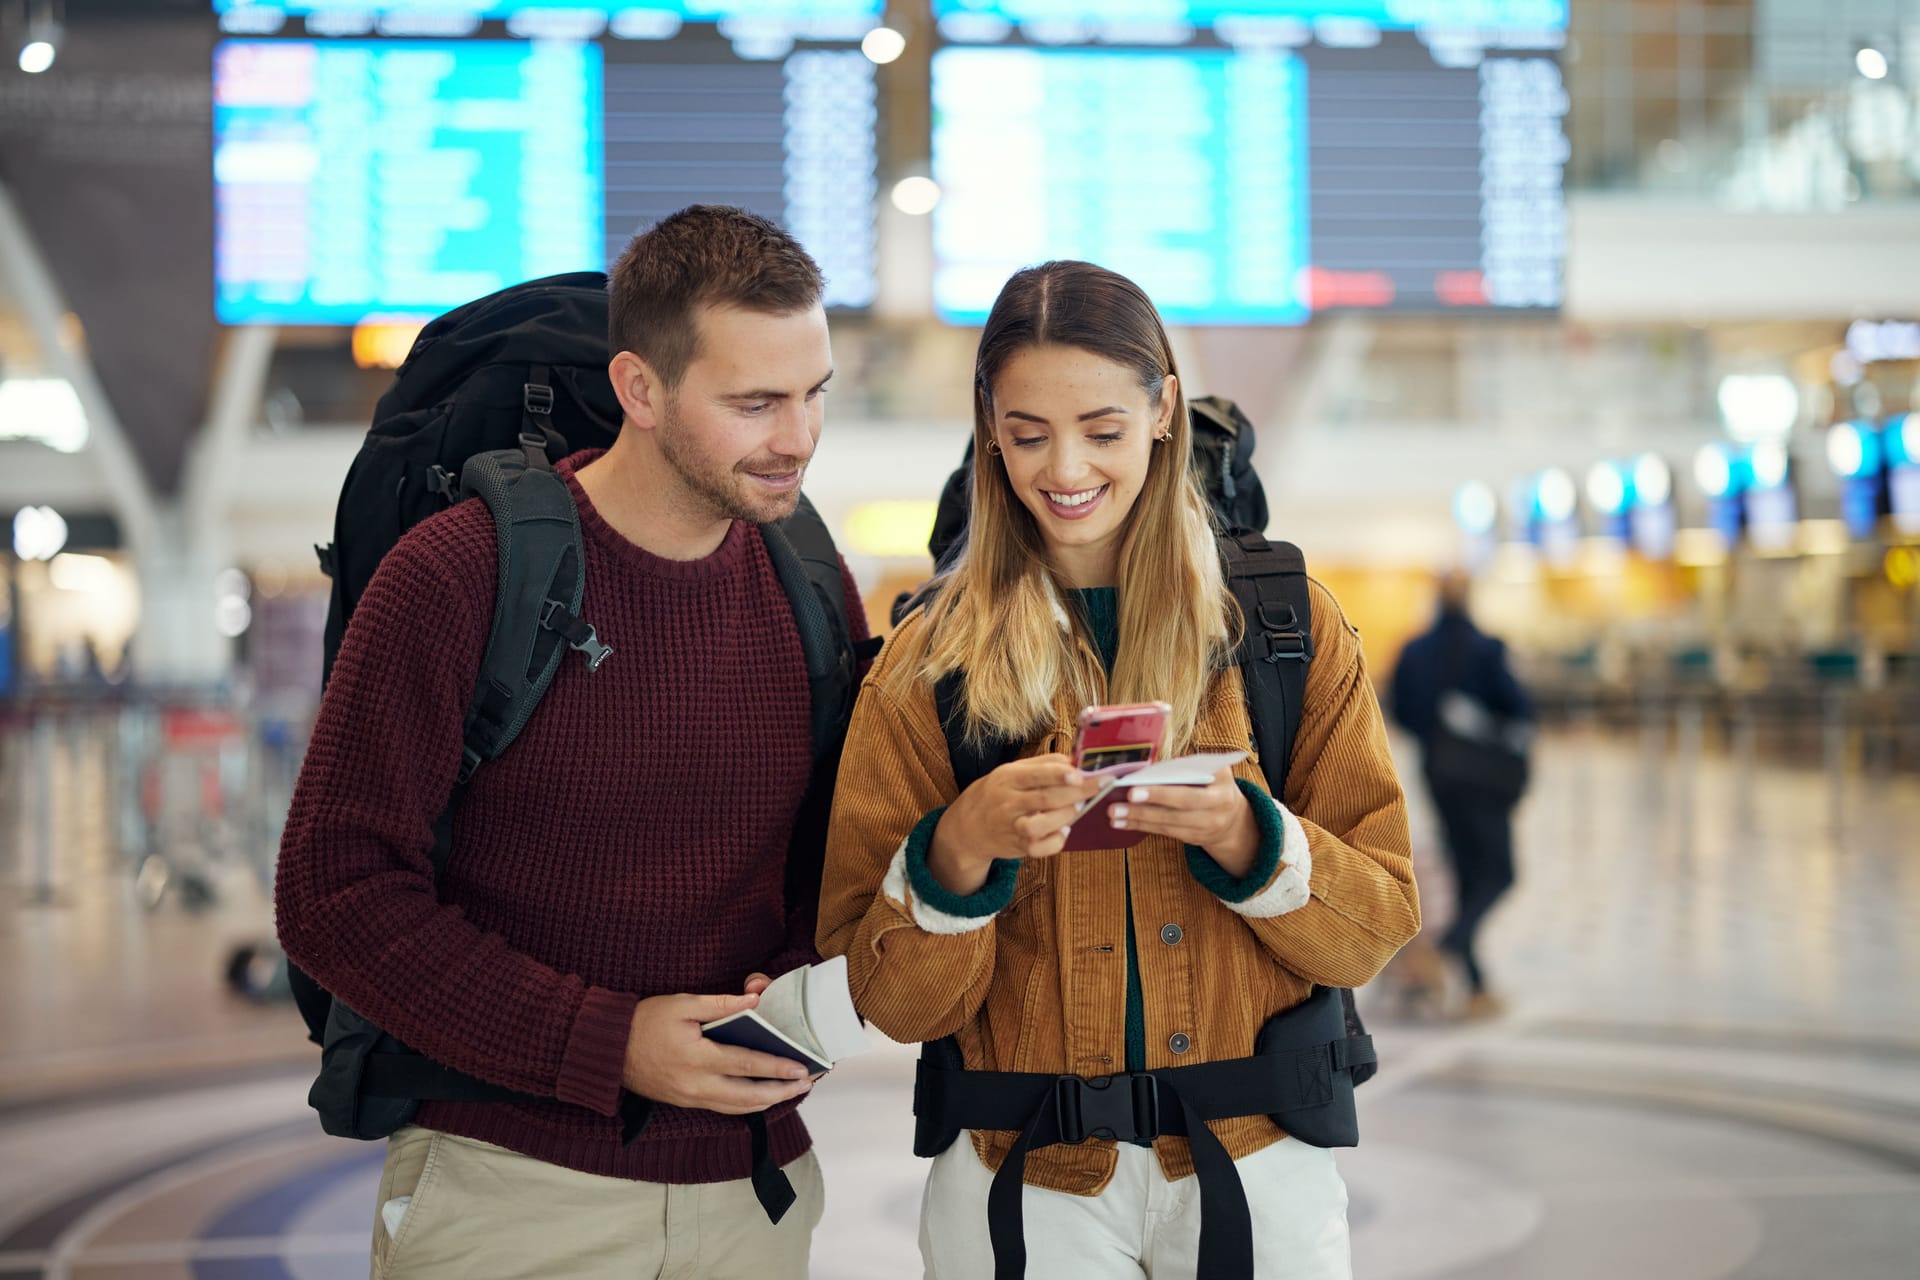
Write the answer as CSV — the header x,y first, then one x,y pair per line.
x,y
1454,691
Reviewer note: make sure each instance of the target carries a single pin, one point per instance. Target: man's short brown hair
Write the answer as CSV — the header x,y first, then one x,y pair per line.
x,y
704,255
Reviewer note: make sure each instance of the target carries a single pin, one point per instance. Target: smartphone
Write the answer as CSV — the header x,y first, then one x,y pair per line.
x,y
1119,737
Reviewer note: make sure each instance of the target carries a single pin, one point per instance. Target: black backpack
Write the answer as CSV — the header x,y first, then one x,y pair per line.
x,y
492,394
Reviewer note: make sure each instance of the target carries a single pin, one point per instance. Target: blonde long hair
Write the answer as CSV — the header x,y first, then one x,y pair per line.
x,y
996,612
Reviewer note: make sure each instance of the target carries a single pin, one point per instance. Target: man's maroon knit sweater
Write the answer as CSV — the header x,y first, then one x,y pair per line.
x,y
630,843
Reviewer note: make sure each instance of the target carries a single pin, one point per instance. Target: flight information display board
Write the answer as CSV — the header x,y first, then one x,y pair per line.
x,y
793,140
398,178
1340,156
687,10
1186,171
1384,14
355,177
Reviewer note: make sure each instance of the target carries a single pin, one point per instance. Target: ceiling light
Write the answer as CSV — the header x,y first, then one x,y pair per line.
x,y
1769,464
1758,406
1713,471
916,196
1652,480
882,45
1557,494
1607,488
39,533
1474,508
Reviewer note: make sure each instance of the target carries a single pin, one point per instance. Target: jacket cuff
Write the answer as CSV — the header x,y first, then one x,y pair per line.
x,y
934,907
592,1069
1270,887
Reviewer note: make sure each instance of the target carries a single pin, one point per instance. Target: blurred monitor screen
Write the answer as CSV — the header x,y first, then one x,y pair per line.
x,y
1186,171
357,176
1351,158
687,10
398,178
1381,14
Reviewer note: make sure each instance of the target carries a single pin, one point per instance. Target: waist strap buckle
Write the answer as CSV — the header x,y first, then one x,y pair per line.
x,y
1122,1108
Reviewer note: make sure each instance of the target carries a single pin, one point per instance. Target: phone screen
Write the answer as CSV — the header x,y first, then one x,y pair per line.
x,y
1094,759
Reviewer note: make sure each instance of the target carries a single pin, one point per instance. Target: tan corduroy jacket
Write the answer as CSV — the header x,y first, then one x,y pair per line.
x,y
1042,985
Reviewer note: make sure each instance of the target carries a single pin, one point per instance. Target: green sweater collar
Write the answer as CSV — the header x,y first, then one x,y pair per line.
x,y
1100,606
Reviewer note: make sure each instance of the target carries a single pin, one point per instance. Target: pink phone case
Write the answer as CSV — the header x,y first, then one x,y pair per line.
x,y
1119,737
1127,737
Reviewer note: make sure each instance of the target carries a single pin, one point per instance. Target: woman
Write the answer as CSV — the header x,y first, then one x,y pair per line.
x,y
1091,576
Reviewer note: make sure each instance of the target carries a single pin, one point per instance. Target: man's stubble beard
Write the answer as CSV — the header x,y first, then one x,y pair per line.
x,y
726,495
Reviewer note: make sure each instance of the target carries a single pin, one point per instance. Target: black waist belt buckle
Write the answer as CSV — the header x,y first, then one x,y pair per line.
x,y
1121,1108
1133,1107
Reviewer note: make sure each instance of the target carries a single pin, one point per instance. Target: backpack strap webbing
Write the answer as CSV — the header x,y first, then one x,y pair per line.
x,y
971,760
1269,581
808,566
541,583
542,580
1046,1108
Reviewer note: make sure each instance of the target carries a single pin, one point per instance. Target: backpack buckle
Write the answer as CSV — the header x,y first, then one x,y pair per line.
x,y
1285,639
1124,1108
580,636
590,646
443,482
537,397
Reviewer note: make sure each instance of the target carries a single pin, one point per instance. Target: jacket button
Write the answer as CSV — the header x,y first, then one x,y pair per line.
x,y
1180,1043
1171,934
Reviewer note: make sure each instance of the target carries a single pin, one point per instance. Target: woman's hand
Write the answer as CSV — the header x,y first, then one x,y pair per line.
x,y
1020,810
1217,817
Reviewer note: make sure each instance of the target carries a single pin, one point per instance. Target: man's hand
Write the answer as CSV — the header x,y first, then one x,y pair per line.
x,y
1020,810
669,1061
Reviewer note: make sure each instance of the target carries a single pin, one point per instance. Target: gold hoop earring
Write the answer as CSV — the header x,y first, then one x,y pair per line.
x,y
1163,437
993,446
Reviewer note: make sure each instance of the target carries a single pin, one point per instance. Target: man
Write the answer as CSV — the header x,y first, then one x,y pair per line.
x,y
1456,656
618,872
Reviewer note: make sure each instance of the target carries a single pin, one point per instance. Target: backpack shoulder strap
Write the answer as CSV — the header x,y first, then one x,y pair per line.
x,y
808,566
971,761
536,605
933,1134
1269,580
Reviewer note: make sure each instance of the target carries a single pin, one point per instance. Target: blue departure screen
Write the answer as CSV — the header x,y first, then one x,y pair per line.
x,y
1185,171
1256,182
688,10
1385,14
355,178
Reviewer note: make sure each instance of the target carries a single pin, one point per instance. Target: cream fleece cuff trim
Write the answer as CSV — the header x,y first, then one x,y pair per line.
x,y
926,917
1289,890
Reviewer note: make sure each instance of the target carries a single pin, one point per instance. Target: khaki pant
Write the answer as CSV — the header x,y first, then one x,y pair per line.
x,y
475,1211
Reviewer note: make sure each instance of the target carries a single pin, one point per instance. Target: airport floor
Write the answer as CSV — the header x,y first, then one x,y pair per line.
x,y
1710,1064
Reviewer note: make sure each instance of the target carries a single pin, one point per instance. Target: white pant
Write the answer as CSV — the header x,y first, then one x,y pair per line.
x,y
1142,1224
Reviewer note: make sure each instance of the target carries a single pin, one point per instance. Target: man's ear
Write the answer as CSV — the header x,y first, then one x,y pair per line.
x,y
638,389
